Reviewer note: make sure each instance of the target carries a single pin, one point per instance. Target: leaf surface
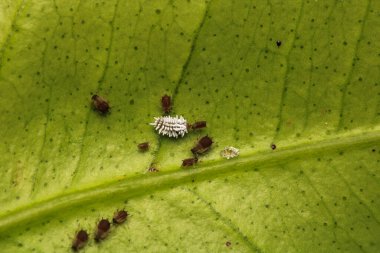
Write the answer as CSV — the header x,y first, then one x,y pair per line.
x,y
316,97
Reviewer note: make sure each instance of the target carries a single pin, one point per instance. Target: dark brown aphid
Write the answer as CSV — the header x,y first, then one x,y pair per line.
x,y
273,146
143,146
198,125
100,104
189,162
278,43
102,230
120,216
166,103
80,240
228,243
202,146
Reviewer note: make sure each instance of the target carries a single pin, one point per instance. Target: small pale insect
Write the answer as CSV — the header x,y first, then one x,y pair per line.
x,y
229,152
170,126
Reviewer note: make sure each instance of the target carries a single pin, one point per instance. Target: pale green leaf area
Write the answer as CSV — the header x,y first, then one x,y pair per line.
x,y
317,97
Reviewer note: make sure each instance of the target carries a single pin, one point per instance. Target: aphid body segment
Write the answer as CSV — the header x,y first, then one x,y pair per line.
x,y
120,216
143,146
166,103
229,152
189,162
202,146
170,126
80,240
198,125
100,104
102,230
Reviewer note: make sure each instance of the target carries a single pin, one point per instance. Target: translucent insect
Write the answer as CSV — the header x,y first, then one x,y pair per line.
x,y
229,152
170,126
80,240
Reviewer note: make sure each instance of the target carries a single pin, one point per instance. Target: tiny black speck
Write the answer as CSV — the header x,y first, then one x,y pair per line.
x,y
278,43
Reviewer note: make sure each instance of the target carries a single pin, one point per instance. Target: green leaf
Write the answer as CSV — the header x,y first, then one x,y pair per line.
x,y
316,97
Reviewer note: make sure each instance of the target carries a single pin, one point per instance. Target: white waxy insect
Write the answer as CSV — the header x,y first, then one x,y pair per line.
x,y
170,126
229,152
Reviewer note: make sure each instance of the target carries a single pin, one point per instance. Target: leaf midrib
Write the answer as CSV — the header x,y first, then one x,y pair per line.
x,y
148,183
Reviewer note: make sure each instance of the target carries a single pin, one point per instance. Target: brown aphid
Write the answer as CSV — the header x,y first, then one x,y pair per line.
x,y
80,240
120,216
198,125
202,146
273,146
166,103
189,162
143,146
100,104
102,230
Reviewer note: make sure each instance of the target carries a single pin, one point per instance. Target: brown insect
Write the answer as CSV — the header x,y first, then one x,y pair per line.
x,y
278,43
102,230
189,162
198,125
202,146
100,104
152,168
120,216
143,146
166,103
273,146
80,240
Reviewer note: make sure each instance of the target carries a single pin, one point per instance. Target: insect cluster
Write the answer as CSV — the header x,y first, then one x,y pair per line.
x,y
173,126
102,230
202,146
